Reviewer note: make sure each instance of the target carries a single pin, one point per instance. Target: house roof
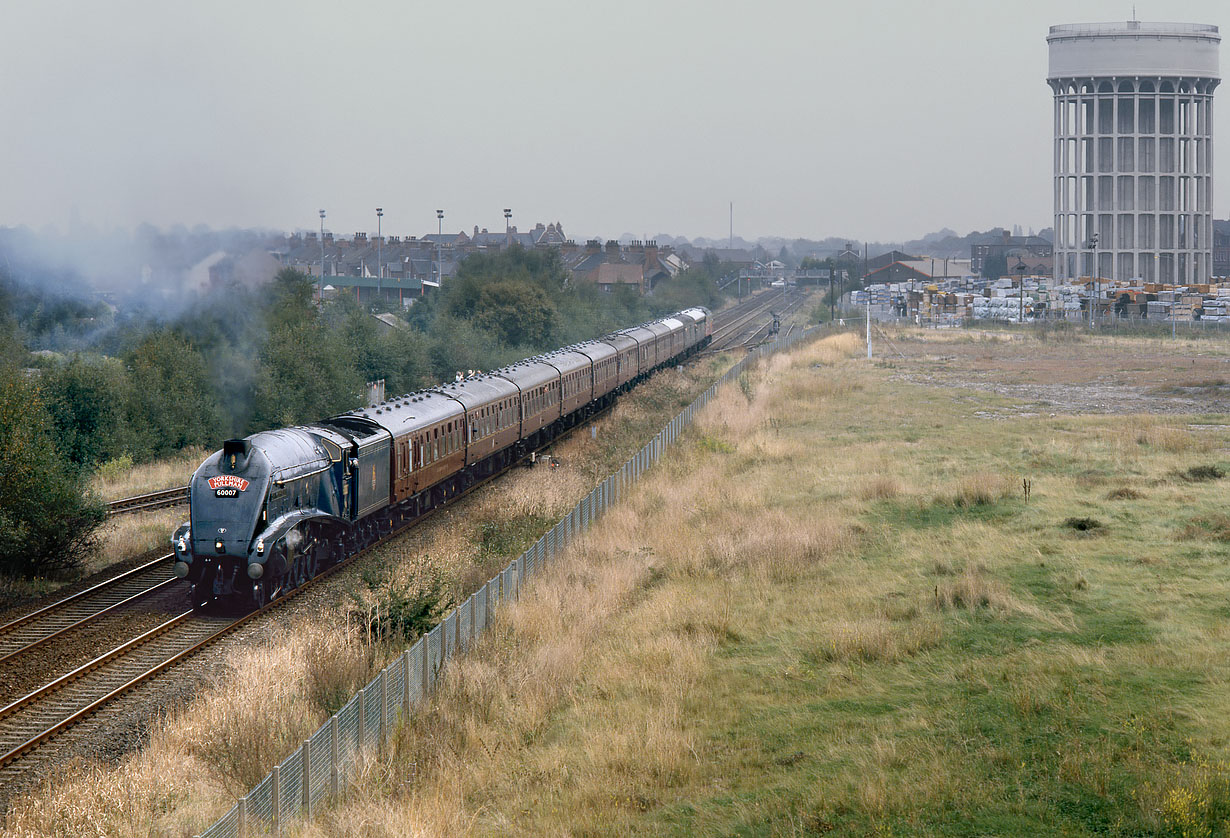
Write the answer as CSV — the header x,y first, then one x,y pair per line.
x,y
613,273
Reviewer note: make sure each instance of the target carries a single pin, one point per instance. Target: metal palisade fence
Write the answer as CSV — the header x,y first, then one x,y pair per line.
x,y
332,757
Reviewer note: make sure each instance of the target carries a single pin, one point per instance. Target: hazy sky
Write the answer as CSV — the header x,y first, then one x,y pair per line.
x,y
877,119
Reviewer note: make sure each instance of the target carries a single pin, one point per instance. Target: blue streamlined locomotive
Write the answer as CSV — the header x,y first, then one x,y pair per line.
x,y
270,511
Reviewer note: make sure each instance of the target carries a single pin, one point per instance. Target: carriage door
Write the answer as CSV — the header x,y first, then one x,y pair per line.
x,y
416,461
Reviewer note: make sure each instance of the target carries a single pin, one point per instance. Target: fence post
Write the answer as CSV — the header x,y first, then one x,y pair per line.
x,y
334,756
405,685
384,701
470,638
426,639
276,803
241,818
307,778
362,716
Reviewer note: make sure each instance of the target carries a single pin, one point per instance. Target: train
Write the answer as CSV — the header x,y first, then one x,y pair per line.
x,y
270,511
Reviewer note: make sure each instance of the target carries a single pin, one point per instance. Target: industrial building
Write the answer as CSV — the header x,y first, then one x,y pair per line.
x,y
1133,150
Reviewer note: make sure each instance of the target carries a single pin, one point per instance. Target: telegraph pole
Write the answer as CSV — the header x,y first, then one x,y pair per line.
x,y
832,302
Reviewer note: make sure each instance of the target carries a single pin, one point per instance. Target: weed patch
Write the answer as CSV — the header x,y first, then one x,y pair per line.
x,y
981,489
1203,473
973,590
875,640
1086,525
713,445
1214,527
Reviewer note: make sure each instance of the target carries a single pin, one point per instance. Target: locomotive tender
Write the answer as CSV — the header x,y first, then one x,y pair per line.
x,y
270,511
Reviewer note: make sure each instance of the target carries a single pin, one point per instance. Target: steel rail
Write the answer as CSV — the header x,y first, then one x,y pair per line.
x,y
86,668
722,336
77,715
89,618
759,305
9,626
152,500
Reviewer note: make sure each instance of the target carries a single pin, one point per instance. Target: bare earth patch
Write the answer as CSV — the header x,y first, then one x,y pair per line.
x,y
1099,374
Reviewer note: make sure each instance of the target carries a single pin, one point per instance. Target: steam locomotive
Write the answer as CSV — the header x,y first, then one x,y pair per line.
x,y
270,511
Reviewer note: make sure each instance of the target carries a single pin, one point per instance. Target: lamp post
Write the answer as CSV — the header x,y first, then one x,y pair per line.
x,y
439,243
1096,276
379,252
322,257
507,226
1020,269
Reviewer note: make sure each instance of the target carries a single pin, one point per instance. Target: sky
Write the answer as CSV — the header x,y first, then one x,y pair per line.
x,y
877,119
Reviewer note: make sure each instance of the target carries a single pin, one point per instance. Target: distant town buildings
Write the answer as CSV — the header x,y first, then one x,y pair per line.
x,y
400,270
1133,150
1034,251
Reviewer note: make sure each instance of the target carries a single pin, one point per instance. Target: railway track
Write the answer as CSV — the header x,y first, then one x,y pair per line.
x,y
49,622
30,721
153,500
734,331
790,305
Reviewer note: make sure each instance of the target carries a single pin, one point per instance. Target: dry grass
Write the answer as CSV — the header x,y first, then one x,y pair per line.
x,y
972,590
1162,434
878,640
881,487
112,483
135,533
981,488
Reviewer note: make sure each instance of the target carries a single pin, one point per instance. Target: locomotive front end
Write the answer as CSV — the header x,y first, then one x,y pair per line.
x,y
227,494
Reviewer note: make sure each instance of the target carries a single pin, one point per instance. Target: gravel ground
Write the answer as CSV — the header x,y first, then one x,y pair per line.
x,y
1106,375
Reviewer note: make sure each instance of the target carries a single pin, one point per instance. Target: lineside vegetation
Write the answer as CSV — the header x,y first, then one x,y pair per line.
x,y
833,609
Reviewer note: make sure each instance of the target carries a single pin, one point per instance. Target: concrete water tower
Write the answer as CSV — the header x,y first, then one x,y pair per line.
x,y
1134,149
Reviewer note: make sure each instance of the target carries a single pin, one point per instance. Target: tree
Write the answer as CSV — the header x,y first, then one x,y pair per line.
x,y
85,399
519,313
47,523
171,402
306,371
407,351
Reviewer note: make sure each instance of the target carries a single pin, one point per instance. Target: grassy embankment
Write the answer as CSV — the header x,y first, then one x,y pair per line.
x,y
134,533
272,695
834,610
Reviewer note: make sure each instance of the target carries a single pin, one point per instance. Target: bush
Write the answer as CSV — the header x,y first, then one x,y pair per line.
x,y
48,524
115,468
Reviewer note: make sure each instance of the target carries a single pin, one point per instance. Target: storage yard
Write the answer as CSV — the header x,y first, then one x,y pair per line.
x,y
952,301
